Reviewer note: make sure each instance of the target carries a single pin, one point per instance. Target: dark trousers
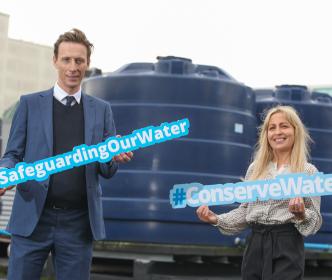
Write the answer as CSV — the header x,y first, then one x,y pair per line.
x,y
64,233
274,253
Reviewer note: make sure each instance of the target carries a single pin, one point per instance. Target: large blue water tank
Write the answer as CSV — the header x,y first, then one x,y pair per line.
x,y
218,148
315,110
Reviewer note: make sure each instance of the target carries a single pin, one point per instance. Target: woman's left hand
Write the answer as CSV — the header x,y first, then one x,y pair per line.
x,y
296,207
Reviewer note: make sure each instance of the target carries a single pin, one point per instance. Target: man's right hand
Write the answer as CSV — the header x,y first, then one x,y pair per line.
x,y
206,215
3,190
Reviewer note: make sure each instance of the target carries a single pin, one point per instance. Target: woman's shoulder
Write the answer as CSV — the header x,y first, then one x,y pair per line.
x,y
249,171
310,168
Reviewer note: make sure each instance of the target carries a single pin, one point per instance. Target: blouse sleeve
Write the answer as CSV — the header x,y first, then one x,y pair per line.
x,y
234,221
313,219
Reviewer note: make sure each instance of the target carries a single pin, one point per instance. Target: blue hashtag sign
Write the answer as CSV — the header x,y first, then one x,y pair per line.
x,y
282,187
103,152
178,197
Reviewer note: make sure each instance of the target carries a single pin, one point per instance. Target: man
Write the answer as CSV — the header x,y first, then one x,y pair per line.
x,y
63,214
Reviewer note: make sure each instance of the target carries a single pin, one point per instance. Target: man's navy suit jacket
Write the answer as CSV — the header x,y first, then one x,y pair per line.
x,y
31,139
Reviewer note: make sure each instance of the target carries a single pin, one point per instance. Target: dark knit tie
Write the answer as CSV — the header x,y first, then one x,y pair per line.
x,y
69,100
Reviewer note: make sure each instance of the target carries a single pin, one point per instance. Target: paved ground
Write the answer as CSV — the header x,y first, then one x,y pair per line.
x,y
217,271
143,269
100,277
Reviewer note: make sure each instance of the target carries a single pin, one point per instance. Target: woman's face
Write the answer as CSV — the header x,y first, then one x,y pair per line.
x,y
280,133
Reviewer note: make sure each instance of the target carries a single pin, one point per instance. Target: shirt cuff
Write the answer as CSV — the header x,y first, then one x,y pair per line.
x,y
219,222
110,163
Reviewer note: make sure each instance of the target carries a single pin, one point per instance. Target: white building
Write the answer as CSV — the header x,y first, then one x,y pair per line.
x,y
25,67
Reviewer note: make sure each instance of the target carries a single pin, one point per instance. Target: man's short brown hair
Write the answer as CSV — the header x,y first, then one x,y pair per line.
x,y
76,36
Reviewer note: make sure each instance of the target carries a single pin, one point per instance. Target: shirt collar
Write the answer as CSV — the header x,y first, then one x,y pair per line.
x,y
284,168
60,94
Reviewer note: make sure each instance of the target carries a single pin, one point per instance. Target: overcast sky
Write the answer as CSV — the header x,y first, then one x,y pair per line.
x,y
259,42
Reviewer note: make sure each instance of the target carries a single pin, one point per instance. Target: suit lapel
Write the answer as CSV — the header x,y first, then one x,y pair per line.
x,y
89,118
46,109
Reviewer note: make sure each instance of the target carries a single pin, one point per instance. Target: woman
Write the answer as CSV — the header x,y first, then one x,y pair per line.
x,y
275,248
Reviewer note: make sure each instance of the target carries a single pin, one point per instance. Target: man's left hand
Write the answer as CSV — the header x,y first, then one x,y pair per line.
x,y
123,157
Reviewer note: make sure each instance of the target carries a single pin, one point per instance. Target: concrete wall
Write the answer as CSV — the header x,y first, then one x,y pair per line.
x,y
24,67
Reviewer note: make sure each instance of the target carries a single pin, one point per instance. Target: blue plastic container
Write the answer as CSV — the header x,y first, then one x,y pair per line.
x,y
217,150
315,110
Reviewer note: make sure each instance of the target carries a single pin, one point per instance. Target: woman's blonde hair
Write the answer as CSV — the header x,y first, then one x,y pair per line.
x,y
264,154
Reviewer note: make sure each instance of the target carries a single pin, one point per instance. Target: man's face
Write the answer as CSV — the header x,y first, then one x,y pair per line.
x,y
71,64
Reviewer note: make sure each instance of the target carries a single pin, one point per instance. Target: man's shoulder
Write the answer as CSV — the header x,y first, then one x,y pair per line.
x,y
97,100
34,95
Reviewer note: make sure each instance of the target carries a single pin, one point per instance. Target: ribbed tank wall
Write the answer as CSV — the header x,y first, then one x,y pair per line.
x,y
217,149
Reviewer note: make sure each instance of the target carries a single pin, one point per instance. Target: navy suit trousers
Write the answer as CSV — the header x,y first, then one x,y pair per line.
x,y
64,233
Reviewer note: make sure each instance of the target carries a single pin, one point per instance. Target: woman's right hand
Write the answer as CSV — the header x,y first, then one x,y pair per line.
x,y
206,215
